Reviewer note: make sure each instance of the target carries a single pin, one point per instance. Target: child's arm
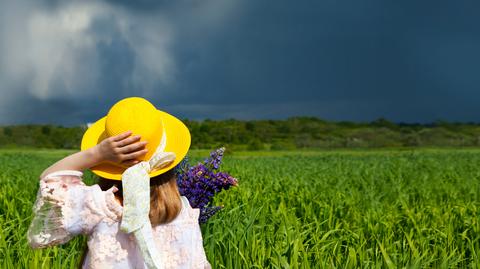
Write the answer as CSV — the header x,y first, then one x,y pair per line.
x,y
65,206
121,149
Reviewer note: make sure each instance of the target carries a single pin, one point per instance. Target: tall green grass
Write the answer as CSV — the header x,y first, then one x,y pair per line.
x,y
346,209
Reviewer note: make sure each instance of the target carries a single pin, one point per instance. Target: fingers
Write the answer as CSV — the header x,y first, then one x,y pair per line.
x,y
127,141
126,149
135,155
129,163
121,136
133,147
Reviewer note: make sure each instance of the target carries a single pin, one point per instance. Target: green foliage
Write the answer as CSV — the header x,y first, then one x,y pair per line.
x,y
255,144
332,209
41,136
292,133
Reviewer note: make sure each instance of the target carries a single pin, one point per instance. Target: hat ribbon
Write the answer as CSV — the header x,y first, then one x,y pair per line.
x,y
136,203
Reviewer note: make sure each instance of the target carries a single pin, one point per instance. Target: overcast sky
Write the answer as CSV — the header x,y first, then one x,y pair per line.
x,y
67,62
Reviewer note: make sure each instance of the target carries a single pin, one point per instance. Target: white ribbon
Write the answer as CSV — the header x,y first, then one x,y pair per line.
x,y
136,202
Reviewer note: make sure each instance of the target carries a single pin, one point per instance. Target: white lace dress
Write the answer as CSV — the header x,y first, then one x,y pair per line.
x,y
66,207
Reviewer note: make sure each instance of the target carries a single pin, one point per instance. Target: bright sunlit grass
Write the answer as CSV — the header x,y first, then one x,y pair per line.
x,y
313,209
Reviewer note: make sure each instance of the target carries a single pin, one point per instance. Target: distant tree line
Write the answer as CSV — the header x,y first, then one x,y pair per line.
x,y
292,133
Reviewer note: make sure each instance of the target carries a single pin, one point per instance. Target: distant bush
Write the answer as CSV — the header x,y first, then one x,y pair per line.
x,y
292,133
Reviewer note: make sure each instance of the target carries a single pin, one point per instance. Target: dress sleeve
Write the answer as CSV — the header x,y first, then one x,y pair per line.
x,y
180,241
65,207
199,257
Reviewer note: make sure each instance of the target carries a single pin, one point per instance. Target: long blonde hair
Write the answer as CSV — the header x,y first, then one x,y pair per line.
x,y
165,202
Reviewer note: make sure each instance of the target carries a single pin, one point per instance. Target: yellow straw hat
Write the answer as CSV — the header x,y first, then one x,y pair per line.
x,y
142,118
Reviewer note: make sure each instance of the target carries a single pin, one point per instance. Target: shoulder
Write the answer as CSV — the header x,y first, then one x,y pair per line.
x,y
187,212
92,197
185,202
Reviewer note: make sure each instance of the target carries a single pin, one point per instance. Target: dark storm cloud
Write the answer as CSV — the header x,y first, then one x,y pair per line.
x,y
413,61
382,59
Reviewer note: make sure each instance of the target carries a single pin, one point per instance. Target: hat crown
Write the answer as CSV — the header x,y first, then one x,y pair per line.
x,y
139,116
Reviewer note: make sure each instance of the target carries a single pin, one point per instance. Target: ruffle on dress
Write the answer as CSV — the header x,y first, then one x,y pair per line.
x,y
66,207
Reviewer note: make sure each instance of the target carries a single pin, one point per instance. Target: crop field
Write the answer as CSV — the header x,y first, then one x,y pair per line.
x,y
333,209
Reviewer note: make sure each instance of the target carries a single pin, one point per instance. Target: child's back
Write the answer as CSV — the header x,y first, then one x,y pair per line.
x,y
123,236
66,207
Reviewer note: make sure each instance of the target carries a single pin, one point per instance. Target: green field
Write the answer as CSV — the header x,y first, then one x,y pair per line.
x,y
346,209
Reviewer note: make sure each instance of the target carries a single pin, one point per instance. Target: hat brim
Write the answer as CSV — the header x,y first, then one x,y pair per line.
x,y
178,142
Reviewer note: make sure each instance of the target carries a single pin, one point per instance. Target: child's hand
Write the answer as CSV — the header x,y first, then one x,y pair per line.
x,y
122,149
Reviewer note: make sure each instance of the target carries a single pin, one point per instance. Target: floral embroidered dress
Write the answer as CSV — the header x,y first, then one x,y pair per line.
x,y
66,207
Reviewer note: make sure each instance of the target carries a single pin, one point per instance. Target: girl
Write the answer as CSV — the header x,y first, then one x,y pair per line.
x,y
142,223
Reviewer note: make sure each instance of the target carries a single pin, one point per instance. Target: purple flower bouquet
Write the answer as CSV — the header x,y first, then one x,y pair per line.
x,y
201,182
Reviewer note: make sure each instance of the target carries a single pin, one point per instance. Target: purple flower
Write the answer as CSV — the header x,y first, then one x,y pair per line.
x,y
207,212
215,159
201,182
